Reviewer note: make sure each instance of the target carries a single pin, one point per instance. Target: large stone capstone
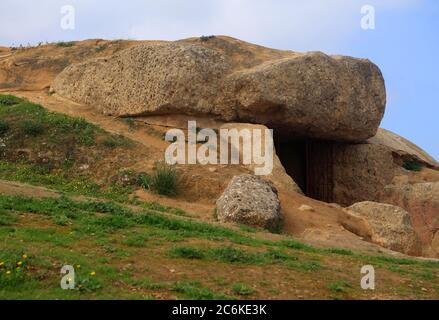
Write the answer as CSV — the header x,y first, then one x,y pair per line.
x,y
304,94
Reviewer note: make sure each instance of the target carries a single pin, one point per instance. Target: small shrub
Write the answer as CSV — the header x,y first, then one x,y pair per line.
x,y
32,128
108,207
412,165
164,180
242,289
115,142
65,44
187,253
339,286
61,220
206,38
137,240
305,266
101,48
155,206
234,255
88,284
144,180
110,223
4,127
9,100
341,252
13,273
7,219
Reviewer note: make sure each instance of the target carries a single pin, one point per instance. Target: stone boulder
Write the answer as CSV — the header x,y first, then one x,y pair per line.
x,y
365,171
305,94
391,226
402,147
422,201
250,200
278,176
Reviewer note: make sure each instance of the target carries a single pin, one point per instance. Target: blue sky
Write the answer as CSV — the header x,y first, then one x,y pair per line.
x,y
404,44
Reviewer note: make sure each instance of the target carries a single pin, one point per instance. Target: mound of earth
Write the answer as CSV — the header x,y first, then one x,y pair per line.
x,y
307,94
34,68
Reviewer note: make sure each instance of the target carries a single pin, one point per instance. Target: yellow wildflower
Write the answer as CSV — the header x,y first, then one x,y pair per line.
x,y
24,256
2,264
78,266
8,272
19,263
93,274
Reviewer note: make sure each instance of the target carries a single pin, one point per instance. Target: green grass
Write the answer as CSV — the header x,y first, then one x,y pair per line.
x,y
14,271
137,240
61,181
9,100
193,290
184,228
32,127
339,286
33,119
114,232
164,180
144,180
187,253
242,290
63,139
7,218
4,127
230,255
116,141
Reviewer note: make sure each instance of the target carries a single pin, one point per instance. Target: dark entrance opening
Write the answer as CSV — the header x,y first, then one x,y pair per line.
x,y
311,164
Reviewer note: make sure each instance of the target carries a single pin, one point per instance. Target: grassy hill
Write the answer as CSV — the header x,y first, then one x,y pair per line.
x,y
124,248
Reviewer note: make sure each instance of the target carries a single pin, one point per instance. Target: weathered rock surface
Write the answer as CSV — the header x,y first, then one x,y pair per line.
x,y
391,226
402,147
307,94
250,200
278,176
363,171
422,201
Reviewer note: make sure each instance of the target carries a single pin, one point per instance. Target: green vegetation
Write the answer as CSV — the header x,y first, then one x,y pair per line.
x,y
32,119
412,165
114,243
45,148
9,100
116,232
206,38
193,290
65,44
116,142
4,127
31,127
242,289
164,180
339,286
101,48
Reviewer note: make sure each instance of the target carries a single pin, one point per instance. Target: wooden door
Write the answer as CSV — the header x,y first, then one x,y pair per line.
x,y
320,170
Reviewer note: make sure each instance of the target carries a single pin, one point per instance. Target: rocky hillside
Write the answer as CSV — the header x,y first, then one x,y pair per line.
x,y
350,190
